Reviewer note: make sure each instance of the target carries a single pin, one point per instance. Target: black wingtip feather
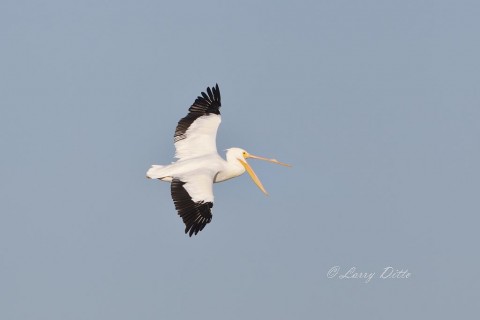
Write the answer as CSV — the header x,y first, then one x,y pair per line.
x,y
195,215
208,102
205,104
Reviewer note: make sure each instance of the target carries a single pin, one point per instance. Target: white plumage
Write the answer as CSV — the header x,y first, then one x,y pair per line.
x,y
200,138
199,165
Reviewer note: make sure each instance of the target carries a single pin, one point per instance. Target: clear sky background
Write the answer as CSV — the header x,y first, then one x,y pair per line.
x,y
375,103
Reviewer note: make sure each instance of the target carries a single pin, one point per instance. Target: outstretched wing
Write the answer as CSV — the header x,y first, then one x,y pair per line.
x,y
193,200
196,134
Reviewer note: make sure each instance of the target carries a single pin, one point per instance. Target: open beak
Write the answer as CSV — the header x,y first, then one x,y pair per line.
x,y
252,173
266,159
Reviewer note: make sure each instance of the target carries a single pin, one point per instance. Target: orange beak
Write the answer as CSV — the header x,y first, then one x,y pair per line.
x,y
252,173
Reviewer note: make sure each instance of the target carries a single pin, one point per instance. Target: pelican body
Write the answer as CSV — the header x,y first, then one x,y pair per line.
x,y
199,165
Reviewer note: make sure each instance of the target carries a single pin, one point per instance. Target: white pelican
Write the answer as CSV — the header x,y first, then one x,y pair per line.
x,y
199,165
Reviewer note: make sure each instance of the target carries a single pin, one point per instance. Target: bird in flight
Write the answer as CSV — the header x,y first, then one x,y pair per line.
x,y
199,165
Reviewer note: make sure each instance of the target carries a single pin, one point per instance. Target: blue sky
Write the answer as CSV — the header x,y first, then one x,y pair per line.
x,y
375,103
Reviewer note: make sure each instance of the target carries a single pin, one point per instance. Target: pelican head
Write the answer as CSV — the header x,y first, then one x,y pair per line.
x,y
242,155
